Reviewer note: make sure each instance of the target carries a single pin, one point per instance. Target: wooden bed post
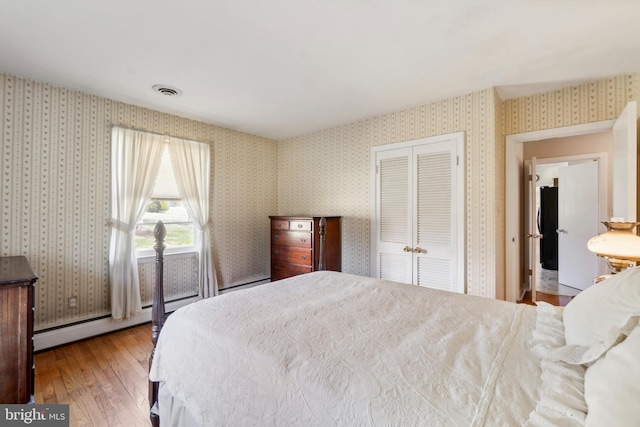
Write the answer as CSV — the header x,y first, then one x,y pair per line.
x,y
323,232
157,312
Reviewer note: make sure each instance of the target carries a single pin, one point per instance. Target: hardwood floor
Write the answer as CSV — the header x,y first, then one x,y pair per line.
x,y
559,300
103,379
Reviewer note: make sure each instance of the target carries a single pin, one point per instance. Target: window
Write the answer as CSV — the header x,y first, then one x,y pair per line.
x,y
136,157
165,205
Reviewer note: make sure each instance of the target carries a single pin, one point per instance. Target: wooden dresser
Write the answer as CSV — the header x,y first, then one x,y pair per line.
x,y
17,281
296,245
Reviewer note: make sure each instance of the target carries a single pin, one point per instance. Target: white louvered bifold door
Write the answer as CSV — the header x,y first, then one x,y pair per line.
x,y
394,212
434,233
417,230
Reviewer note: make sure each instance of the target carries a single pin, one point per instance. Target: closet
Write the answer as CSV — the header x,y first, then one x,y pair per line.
x,y
417,211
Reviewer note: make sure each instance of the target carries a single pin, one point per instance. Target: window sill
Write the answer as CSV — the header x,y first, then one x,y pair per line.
x,y
149,258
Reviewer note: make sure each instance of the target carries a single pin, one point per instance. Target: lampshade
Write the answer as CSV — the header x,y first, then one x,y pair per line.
x,y
619,245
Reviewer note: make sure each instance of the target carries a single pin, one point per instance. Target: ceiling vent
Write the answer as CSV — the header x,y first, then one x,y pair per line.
x,y
167,90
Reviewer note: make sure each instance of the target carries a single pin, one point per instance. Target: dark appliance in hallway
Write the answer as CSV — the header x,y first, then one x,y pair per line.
x,y
547,225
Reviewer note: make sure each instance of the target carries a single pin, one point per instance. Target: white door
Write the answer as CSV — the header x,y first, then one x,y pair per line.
x,y
393,211
435,216
416,229
577,223
624,164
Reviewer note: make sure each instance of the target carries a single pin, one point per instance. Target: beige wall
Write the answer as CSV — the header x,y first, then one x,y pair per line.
x,y
54,198
586,103
327,173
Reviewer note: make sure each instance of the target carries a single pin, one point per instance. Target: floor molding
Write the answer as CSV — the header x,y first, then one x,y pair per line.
x,y
68,334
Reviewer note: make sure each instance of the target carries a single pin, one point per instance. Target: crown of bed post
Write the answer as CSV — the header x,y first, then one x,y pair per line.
x,y
157,312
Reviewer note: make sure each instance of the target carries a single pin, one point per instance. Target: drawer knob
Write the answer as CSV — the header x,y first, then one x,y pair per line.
x,y
276,237
303,257
300,225
277,252
279,224
303,240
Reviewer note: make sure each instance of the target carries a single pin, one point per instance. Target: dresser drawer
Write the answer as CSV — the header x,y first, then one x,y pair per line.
x,y
291,238
294,255
281,270
279,224
300,225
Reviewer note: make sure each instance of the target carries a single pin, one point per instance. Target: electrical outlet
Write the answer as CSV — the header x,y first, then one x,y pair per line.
x,y
73,302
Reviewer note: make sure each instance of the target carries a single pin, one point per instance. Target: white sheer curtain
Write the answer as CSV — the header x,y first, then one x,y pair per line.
x,y
191,166
135,161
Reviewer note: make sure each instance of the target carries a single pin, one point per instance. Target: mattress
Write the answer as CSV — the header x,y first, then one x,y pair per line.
x,y
330,348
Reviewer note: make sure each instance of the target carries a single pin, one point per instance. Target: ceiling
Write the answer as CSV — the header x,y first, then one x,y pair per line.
x,y
281,68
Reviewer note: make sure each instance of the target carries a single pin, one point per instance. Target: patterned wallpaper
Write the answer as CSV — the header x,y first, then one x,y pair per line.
x,y
54,196
327,173
54,162
589,102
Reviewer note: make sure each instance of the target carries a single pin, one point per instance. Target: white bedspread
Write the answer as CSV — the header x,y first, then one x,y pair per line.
x,y
328,348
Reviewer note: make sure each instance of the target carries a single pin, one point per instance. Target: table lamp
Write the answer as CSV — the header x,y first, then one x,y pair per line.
x,y
619,245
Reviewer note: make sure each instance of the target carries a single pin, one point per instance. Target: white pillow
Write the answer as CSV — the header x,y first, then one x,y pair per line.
x,y
612,386
586,355
610,303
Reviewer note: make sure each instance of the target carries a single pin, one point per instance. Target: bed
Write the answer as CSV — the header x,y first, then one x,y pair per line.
x,y
330,348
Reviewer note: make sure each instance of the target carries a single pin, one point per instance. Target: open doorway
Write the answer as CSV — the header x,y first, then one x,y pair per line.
x,y
623,184
570,199
577,174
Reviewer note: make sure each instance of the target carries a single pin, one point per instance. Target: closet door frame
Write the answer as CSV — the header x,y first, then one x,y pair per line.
x,y
457,139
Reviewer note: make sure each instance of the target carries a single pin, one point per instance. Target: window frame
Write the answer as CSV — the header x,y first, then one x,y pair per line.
x,y
150,252
191,249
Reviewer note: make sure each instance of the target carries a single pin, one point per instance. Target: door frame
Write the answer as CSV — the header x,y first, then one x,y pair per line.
x,y
458,138
514,164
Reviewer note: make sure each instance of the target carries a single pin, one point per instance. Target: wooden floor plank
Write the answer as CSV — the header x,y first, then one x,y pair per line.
x,y
130,373
558,300
85,409
47,372
95,378
112,386
102,379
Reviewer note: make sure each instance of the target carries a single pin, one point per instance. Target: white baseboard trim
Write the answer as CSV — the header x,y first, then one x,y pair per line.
x,y
245,286
56,337
80,331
